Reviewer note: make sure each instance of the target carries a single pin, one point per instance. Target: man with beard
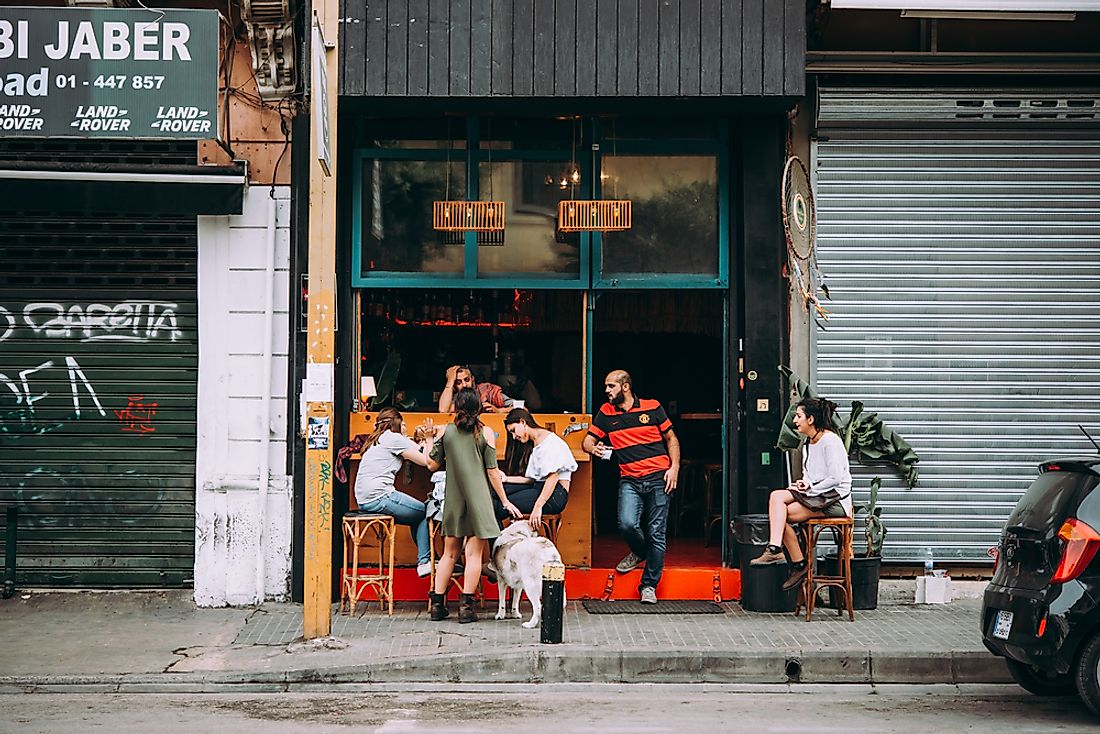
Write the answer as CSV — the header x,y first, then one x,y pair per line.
x,y
648,453
459,377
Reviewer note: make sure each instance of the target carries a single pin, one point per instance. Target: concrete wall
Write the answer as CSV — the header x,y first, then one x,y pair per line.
x,y
236,539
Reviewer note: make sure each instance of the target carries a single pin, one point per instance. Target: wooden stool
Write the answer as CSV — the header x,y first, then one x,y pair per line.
x,y
358,529
712,478
548,527
841,527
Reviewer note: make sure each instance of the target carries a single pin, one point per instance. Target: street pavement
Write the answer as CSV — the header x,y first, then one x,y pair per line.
x,y
158,641
556,708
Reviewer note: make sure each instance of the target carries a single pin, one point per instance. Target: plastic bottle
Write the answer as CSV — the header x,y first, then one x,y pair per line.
x,y
928,561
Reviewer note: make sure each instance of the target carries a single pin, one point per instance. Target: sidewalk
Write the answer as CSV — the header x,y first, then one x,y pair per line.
x,y
159,641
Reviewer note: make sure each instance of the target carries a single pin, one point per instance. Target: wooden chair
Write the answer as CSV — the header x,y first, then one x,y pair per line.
x,y
712,486
548,527
841,527
360,528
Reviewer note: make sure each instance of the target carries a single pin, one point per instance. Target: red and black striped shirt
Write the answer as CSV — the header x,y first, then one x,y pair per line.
x,y
635,436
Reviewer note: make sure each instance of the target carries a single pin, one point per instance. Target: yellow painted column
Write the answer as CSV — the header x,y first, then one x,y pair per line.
x,y
320,366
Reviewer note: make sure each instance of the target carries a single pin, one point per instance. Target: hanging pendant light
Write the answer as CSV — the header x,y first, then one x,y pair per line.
x,y
594,215
468,216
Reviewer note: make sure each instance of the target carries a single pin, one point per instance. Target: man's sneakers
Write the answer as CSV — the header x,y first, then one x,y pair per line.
x,y
770,557
424,569
629,563
649,595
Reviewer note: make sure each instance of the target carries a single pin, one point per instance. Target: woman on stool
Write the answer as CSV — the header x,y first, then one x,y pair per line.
x,y
382,452
825,489
539,467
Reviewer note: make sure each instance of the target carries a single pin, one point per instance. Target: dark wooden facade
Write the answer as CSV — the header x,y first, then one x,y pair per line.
x,y
572,48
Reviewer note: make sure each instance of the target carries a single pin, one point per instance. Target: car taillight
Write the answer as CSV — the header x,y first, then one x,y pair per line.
x,y
1082,542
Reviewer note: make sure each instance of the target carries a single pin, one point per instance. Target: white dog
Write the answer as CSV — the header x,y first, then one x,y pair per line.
x,y
519,555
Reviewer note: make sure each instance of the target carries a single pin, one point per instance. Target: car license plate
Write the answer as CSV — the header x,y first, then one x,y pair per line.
x,y
1002,625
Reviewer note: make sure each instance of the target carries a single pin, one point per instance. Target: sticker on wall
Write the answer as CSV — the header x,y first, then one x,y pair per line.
x,y
317,437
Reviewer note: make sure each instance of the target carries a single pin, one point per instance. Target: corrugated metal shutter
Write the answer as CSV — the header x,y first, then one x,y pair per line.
x,y
99,363
964,266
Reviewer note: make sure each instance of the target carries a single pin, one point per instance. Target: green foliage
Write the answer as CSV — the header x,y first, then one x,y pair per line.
x,y
874,530
868,441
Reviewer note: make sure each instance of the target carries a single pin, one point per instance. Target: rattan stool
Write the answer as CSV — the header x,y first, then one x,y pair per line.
x,y
548,527
841,527
358,528
435,527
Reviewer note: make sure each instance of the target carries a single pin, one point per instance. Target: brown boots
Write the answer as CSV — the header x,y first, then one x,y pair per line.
x,y
466,611
439,610
439,606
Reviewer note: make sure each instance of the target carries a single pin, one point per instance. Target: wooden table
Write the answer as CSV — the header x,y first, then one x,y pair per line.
x,y
575,537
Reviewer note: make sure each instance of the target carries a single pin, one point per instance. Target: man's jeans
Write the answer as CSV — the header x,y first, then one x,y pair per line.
x,y
409,511
643,515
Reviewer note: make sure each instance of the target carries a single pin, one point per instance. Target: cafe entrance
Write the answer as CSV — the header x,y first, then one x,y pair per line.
x,y
546,314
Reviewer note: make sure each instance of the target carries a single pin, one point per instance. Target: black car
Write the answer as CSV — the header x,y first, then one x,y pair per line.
x,y
1040,610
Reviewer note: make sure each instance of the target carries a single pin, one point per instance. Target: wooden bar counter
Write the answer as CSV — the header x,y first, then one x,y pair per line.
x,y
575,536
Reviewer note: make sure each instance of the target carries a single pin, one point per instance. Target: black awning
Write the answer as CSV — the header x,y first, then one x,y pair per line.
x,y
121,188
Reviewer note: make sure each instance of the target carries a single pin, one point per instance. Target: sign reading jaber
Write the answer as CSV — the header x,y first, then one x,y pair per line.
x,y
111,73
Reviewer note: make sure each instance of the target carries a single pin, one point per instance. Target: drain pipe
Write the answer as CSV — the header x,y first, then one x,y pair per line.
x,y
264,477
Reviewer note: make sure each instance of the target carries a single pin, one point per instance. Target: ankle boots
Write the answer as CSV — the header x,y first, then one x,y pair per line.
x,y
439,606
466,611
439,610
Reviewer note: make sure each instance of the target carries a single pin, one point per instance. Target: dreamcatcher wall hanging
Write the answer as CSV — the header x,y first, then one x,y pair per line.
x,y
800,226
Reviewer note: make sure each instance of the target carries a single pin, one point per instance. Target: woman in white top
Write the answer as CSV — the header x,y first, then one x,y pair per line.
x,y
382,455
825,489
538,468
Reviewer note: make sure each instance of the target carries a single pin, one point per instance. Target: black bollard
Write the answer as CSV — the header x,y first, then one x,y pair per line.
x,y
553,602
12,515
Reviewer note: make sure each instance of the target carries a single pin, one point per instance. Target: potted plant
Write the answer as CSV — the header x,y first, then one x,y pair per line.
x,y
867,440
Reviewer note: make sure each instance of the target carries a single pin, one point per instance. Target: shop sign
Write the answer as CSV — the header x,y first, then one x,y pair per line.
x,y
108,73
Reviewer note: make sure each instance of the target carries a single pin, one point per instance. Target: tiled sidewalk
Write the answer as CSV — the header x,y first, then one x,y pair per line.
x,y
896,628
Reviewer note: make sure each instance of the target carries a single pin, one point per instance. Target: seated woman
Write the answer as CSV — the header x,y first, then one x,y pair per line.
x,y
538,466
825,489
383,451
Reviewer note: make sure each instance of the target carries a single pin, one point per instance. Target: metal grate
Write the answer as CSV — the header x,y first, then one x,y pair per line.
x,y
132,152
964,275
863,108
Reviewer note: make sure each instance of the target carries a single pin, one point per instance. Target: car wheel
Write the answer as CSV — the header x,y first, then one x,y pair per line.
x,y
1040,682
1088,674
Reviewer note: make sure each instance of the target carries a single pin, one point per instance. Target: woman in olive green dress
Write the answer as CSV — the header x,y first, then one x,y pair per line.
x,y
466,450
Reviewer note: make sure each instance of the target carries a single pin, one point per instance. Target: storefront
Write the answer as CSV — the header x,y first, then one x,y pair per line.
x,y
596,104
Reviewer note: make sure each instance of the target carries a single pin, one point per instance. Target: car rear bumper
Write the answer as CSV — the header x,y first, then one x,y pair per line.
x,y
1068,609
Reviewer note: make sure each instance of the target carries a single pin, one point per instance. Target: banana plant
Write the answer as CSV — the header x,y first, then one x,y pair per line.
x,y
874,530
866,438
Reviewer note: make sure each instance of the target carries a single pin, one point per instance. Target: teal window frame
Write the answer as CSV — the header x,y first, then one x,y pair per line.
x,y
590,275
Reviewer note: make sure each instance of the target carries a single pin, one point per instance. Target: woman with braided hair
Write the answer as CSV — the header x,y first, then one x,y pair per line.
x,y
825,489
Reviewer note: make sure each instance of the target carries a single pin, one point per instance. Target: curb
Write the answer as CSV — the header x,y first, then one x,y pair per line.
x,y
552,666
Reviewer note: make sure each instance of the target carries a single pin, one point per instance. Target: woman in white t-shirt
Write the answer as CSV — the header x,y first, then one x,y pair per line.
x,y
382,455
825,489
538,466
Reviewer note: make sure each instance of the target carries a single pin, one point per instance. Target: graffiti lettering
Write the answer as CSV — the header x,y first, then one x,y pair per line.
x,y
325,499
137,416
48,498
133,320
20,419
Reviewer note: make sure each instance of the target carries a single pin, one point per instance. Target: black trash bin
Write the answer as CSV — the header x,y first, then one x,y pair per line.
x,y
761,586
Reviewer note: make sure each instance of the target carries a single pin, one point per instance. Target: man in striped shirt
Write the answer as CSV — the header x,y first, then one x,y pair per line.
x,y
639,434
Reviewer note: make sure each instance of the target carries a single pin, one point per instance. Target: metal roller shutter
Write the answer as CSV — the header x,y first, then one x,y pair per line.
x,y
964,266
98,371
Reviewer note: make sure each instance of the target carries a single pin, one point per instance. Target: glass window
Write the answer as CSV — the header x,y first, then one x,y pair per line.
x,y
531,191
675,214
397,216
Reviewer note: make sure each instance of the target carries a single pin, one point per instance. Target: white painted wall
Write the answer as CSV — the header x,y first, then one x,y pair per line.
x,y
231,411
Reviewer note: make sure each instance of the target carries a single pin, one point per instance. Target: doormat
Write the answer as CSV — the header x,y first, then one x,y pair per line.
x,y
633,606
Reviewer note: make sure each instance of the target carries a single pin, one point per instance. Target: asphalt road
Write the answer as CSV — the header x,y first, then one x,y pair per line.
x,y
561,709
